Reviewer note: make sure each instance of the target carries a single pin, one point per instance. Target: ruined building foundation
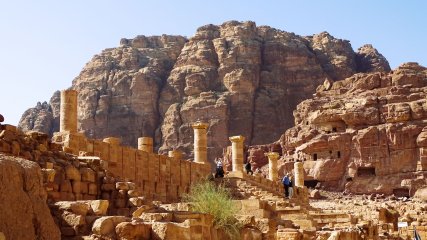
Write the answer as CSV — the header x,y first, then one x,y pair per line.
x,y
200,142
68,111
272,165
237,153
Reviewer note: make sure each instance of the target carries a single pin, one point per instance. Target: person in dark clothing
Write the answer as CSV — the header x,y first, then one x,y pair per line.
x,y
286,184
219,169
248,168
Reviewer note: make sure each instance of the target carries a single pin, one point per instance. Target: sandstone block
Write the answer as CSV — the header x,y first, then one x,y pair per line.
x,y
65,186
72,173
99,207
92,189
136,201
84,187
76,186
105,226
78,207
88,175
141,210
48,175
133,230
73,220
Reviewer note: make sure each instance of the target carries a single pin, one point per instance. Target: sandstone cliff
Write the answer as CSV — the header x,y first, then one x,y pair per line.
x,y
365,134
242,79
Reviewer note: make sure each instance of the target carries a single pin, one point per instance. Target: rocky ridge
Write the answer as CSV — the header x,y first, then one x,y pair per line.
x,y
364,134
241,78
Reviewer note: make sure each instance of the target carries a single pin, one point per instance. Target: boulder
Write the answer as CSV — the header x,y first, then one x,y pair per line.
x,y
23,201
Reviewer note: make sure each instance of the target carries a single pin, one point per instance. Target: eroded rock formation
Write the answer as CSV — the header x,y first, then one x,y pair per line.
x,y
365,134
243,79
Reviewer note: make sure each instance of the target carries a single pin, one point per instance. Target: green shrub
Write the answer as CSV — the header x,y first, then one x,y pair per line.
x,y
206,197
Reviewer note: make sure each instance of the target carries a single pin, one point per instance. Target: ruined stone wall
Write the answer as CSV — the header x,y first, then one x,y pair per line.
x,y
156,176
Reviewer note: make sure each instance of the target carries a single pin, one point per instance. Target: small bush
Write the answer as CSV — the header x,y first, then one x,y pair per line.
x,y
206,197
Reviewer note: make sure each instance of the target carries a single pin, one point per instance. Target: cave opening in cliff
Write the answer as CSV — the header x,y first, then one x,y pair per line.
x,y
315,156
338,154
310,183
334,129
366,171
401,192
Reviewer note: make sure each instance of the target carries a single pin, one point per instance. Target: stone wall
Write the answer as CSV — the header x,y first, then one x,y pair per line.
x,y
156,176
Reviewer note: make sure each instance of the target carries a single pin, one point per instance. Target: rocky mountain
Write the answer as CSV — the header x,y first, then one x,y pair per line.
x,y
364,134
241,78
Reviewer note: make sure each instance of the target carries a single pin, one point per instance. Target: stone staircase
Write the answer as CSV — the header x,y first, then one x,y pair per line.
x,y
264,200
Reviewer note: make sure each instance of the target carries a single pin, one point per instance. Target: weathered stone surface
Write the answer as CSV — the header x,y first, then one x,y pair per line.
x,y
44,117
242,79
105,226
99,207
368,59
23,201
366,134
421,194
133,231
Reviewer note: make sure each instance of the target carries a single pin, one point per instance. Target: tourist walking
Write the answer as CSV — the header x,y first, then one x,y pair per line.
x,y
286,184
248,168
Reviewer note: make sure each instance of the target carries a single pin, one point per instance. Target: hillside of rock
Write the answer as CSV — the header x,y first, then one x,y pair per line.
x,y
364,134
241,78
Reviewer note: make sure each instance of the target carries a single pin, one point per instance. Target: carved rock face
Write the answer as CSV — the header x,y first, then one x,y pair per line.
x,y
242,79
366,133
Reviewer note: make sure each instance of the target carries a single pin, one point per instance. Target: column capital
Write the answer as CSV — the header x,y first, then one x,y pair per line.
x,y
272,155
200,125
238,138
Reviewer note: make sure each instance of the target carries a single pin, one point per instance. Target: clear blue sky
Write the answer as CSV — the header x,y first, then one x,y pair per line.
x,y
44,44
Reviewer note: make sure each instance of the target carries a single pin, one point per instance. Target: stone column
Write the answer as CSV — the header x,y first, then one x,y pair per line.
x,y
68,111
237,153
145,144
299,174
175,154
273,174
200,142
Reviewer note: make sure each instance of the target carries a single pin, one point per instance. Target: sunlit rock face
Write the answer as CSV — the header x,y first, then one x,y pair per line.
x,y
241,78
366,133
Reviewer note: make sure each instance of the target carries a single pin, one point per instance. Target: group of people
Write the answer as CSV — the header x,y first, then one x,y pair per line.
x,y
286,180
220,169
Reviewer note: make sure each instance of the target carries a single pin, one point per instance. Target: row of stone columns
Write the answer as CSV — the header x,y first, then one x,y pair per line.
x,y
68,122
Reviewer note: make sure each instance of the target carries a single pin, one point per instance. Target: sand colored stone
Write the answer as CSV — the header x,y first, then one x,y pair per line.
x,y
145,144
68,112
272,166
200,142
237,153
